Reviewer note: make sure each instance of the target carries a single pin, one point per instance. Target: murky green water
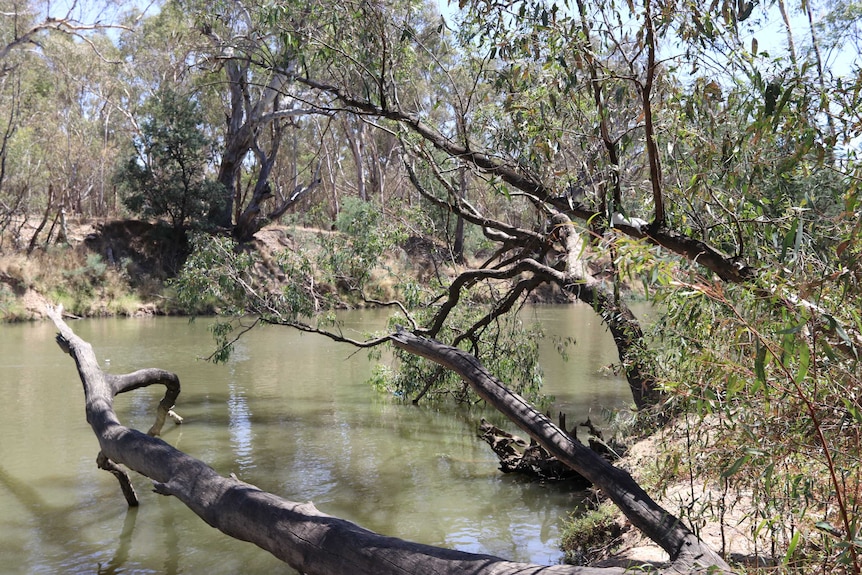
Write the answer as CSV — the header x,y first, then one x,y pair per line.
x,y
291,414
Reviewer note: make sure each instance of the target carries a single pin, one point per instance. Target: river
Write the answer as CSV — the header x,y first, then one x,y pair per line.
x,y
290,413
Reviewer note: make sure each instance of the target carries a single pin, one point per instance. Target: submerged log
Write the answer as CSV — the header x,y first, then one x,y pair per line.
x,y
517,455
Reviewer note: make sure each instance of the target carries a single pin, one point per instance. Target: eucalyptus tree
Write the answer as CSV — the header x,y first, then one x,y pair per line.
x,y
254,68
695,160
58,134
369,84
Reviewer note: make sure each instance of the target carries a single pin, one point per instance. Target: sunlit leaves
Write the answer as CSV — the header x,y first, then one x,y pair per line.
x,y
213,275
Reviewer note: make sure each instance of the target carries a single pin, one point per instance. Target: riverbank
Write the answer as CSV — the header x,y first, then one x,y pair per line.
x,y
115,268
99,269
721,512
124,268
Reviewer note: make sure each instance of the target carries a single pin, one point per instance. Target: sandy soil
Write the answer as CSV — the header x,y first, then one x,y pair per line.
x,y
729,533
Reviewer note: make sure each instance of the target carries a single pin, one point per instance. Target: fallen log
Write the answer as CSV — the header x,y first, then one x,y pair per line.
x,y
318,544
517,455
687,552
297,533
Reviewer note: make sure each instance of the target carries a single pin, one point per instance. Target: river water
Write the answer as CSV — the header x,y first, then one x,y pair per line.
x,y
290,413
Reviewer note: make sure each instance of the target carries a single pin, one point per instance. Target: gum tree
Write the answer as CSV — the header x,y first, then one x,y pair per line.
x,y
692,159
611,142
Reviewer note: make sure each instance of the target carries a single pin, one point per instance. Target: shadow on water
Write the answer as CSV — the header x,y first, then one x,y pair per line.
x,y
49,524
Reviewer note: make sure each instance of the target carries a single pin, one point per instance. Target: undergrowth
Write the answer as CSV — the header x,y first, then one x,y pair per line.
x,y
591,536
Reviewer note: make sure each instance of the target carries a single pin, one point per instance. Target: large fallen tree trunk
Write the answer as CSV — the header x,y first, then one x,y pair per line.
x,y
687,552
297,533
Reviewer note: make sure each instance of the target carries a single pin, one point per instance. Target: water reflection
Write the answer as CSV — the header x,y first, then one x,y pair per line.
x,y
240,427
121,555
291,414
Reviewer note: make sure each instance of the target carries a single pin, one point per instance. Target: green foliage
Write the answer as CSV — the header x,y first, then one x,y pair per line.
x,y
11,309
216,275
168,175
350,257
237,282
90,275
775,394
591,535
506,347
81,287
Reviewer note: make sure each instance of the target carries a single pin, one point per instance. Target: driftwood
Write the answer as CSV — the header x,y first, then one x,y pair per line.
x,y
516,455
315,543
529,458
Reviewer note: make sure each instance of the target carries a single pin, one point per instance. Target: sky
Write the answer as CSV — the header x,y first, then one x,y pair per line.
x,y
767,26
96,11
769,30
770,33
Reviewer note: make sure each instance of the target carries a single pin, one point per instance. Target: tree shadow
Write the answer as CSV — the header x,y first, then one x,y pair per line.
x,y
121,555
55,523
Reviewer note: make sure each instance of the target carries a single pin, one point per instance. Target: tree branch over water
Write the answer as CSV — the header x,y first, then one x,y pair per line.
x,y
686,551
315,543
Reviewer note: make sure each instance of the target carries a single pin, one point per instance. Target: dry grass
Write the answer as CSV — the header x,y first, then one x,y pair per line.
x,y
71,275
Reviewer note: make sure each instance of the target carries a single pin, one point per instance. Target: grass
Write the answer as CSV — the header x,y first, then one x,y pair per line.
x,y
81,280
591,536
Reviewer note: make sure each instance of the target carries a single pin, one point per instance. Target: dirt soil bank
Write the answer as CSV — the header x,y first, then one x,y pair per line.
x,y
122,267
725,519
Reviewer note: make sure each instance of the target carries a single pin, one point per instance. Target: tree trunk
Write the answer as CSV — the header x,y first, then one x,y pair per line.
x,y
50,205
458,247
687,552
297,533
625,329
316,543
251,220
248,116
356,139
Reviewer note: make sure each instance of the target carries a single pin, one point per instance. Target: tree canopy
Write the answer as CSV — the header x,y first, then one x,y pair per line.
x,y
167,175
682,153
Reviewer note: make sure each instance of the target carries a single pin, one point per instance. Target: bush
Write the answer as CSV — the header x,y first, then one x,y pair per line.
x,y
591,536
167,174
